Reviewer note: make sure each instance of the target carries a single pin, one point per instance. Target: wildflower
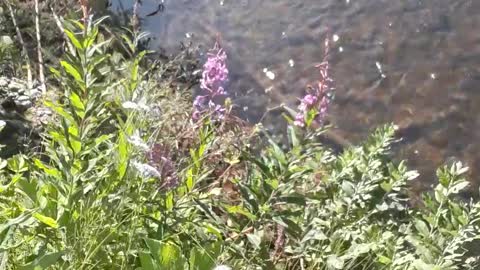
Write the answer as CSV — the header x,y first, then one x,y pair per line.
x,y
215,71
135,106
199,101
137,141
214,75
146,170
319,97
280,240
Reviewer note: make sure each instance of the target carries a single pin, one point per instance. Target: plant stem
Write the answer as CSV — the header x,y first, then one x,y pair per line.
x,y
41,73
135,18
84,5
22,43
62,30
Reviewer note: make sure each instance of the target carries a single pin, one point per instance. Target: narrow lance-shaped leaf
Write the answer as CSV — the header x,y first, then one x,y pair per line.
x,y
43,262
72,71
74,39
77,105
46,220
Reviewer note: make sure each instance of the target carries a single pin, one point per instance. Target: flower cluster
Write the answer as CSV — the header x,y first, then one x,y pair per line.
x,y
318,97
159,164
214,75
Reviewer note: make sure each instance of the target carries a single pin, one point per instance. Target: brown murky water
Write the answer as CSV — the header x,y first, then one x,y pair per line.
x,y
412,62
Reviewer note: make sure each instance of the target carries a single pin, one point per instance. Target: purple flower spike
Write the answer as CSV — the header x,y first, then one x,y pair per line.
x,y
310,100
299,120
214,76
319,99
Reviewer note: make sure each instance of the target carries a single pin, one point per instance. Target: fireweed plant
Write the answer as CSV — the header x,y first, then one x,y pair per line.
x,y
314,105
214,76
126,180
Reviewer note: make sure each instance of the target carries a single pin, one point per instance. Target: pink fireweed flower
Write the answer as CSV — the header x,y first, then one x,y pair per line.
x,y
318,97
214,76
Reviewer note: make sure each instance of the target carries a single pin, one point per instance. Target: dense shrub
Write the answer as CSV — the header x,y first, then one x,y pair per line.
x,y
126,179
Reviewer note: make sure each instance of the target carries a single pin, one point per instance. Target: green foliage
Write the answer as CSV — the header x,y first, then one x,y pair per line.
x,y
119,185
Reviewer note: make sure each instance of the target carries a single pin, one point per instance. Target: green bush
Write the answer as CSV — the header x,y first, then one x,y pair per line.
x,y
125,180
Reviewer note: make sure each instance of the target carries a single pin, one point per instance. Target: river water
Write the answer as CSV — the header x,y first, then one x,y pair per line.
x,y
415,63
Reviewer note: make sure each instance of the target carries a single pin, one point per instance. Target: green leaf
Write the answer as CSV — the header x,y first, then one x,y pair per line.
x,y
102,139
289,110
357,249
23,218
72,71
292,227
213,230
189,181
147,261
169,201
207,209
123,155
248,196
422,227
134,71
237,209
74,140
92,36
167,255
204,257
129,42
254,239
386,186
335,262
55,72
457,187
46,220
292,136
384,260
293,199
58,109
48,170
77,105
29,188
17,164
263,167
348,188
43,262
74,39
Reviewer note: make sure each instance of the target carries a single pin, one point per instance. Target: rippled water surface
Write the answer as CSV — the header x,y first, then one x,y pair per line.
x,y
414,63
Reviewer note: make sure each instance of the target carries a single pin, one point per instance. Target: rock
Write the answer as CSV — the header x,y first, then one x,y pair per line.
x,y
12,136
15,99
24,102
24,105
15,86
35,93
23,98
3,82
